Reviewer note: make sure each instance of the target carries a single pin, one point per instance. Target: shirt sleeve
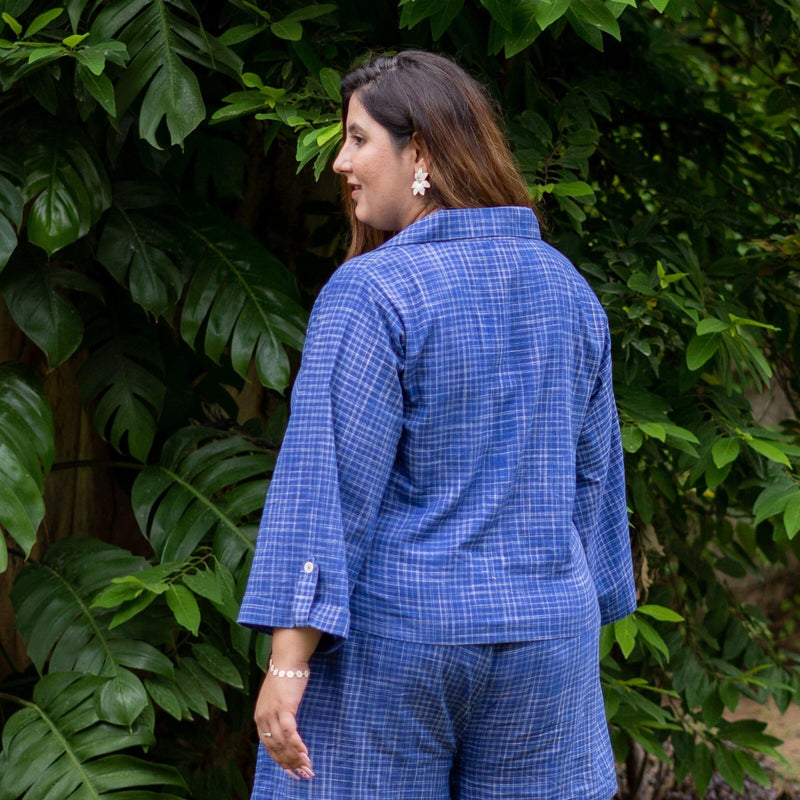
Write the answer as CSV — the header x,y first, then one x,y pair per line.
x,y
600,510
334,464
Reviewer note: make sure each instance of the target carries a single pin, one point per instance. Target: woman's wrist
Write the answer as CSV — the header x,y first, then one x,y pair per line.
x,y
278,672
291,649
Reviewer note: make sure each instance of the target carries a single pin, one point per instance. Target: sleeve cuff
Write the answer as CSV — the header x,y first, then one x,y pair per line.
x,y
303,610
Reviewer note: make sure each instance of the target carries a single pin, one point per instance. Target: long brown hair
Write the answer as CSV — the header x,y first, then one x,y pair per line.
x,y
467,156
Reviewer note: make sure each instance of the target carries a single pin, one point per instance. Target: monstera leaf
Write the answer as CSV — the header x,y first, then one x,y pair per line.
x,y
58,746
64,633
27,450
240,298
11,205
156,39
124,376
34,291
134,249
209,487
67,187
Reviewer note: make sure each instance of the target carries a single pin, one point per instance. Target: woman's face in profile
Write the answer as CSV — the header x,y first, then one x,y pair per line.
x,y
379,176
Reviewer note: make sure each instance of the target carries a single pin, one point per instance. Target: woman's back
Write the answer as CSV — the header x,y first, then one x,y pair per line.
x,y
499,345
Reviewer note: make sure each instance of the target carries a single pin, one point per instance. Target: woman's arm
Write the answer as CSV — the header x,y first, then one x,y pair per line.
x,y
279,699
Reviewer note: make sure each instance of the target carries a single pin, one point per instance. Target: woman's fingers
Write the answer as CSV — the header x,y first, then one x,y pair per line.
x,y
287,749
277,726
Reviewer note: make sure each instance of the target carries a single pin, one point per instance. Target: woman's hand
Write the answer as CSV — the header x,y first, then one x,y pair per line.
x,y
279,699
276,714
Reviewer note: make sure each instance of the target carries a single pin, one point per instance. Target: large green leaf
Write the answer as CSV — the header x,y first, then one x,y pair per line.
x,y
26,454
58,746
242,298
67,188
209,487
124,376
34,292
11,205
132,248
62,631
158,40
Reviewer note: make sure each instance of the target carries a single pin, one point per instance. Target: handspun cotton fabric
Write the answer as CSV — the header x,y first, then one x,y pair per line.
x,y
452,471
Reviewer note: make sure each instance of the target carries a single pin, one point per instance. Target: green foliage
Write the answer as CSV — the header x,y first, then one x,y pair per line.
x,y
58,746
208,486
243,299
27,451
146,246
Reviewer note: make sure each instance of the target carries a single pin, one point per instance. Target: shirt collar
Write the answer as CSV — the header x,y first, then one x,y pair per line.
x,y
469,223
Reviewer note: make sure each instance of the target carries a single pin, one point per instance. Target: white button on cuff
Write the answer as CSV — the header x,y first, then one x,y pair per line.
x,y
308,567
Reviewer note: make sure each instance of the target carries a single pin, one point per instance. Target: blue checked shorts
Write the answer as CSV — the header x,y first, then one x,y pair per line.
x,y
393,720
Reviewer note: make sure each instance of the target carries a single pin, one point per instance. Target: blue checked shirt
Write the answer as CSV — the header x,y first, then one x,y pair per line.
x,y
452,470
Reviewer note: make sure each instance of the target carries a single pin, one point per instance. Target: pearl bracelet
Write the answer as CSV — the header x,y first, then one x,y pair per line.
x,y
288,673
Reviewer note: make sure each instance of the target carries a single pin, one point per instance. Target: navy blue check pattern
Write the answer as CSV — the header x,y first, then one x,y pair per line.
x,y
452,470
391,720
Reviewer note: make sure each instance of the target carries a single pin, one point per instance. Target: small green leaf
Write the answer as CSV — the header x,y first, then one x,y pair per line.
x,y
548,13
701,768
130,610
652,637
116,593
700,350
12,23
774,499
93,58
311,12
42,21
711,325
660,613
324,135
501,12
654,430
715,476
331,80
239,33
791,517
165,695
769,450
641,284
729,694
122,699
632,438
216,664
744,321
729,768
205,584
625,634
100,87
597,15
153,578
42,53
725,451
74,40
184,606
659,5
287,29
572,189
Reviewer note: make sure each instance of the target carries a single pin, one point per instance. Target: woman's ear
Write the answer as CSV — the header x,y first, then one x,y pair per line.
x,y
420,150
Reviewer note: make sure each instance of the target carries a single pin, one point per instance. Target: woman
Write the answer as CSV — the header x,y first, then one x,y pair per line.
x,y
446,527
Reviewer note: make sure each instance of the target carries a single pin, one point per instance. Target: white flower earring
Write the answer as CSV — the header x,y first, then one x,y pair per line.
x,y
421,182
